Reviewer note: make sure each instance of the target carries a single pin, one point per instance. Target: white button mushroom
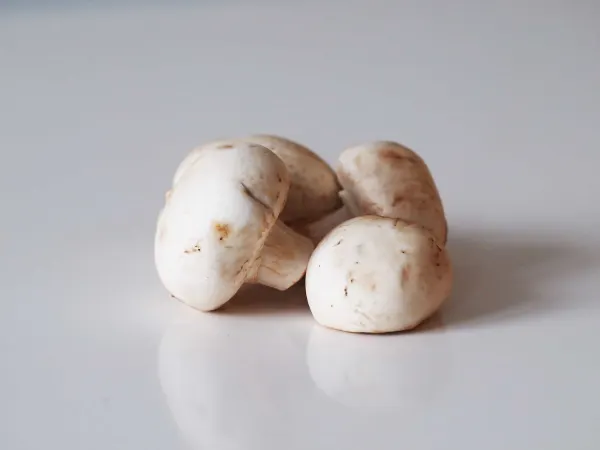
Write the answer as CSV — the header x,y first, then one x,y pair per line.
x,y
314,187
219,227
377,275
387,179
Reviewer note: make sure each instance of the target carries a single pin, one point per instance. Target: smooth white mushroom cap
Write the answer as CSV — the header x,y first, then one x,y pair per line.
x,y
387,179
211,232
195,154
377,275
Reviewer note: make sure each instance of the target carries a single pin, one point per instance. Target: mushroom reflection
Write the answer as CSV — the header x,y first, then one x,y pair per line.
x,y
234,381
399,374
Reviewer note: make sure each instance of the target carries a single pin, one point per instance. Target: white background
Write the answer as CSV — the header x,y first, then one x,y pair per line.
x,y
99,103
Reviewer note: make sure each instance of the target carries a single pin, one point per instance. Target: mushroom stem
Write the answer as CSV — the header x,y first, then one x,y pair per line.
x,y
283,259
318,229
350,204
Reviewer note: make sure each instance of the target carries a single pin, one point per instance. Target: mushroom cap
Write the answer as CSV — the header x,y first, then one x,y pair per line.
x,y
377,275
194,155
216,221
314,186
386,179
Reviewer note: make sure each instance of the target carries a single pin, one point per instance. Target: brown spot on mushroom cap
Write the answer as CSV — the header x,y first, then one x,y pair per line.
x,y
392,154
224,147
223,230
196,248
405,274
397,199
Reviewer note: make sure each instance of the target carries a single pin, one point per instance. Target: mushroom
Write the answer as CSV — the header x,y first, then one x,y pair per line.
x,y
377,275
313,190
219,227
314,187
387,179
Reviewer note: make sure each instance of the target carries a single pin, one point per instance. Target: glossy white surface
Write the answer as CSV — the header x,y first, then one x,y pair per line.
x,y
99,105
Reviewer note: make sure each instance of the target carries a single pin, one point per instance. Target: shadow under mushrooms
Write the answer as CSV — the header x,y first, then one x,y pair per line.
x,y
261,300
509,275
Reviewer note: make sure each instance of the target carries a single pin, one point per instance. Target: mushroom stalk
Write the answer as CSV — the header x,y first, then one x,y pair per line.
x,y
318,229
349,204
283,259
